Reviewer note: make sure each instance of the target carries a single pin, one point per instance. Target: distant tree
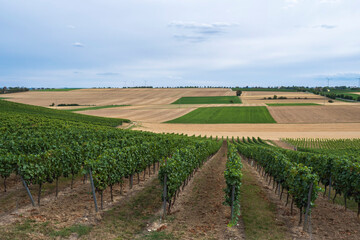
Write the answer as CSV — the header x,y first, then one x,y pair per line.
x,y
275,97
238,93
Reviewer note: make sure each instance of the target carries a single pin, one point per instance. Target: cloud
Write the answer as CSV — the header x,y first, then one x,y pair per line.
x,y
196,25
325,26
190,38
199,31
78,44
71,26
174,77
108,74
330,1
290,3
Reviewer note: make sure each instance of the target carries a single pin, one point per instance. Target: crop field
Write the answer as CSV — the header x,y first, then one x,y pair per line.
x,y
208,100
290,104
96,108
103,97
226,115
316,114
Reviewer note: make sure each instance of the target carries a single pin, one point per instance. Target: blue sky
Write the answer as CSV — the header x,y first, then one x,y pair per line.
x,y
179,42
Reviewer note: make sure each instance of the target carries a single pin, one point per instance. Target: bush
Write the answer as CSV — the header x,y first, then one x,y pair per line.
x,y
275,97
67,105
330,101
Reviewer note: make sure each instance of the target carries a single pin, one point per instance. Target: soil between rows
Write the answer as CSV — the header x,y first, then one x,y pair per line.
x,y
199,212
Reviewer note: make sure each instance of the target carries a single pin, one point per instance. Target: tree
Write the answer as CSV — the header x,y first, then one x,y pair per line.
x,y
238,93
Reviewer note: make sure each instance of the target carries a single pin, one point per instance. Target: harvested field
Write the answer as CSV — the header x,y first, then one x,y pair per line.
x,y
146,114
101,97
258,98
265,131
316,114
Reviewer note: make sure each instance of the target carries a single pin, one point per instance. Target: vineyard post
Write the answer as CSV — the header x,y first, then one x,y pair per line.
x,y
232,201
308,209
329,187
93,190
28,191
164,193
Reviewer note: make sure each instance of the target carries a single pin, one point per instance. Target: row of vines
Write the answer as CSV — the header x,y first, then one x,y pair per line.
x,y
41,150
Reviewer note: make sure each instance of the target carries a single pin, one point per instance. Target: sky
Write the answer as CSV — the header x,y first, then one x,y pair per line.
x,y
117,43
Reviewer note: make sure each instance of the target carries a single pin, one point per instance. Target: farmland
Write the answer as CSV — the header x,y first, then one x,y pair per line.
x,y
290,104
226,115
208,100
96,108
136,173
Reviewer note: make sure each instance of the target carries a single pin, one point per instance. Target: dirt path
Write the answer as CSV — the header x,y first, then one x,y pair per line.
x,y
198,212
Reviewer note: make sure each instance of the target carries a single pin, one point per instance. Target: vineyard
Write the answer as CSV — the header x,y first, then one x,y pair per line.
x,y
327,144
41,150
334,169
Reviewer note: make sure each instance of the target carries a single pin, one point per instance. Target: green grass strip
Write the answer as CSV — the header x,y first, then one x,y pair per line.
x,y
290,104
258,212
208,100
208,115
95,108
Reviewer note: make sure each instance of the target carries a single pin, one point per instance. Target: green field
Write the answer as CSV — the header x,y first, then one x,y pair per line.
x,y
57,89
6,107
95,108
208,100
352,93
226,115
290,104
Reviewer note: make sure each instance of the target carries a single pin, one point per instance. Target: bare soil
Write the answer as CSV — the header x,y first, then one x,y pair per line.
x,y
72,206
199,212
101,97
316,114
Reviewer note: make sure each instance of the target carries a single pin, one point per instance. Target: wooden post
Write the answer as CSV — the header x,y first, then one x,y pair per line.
x,y
308,209
39,195
329,187
93,190
232,201
28,191
164,195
